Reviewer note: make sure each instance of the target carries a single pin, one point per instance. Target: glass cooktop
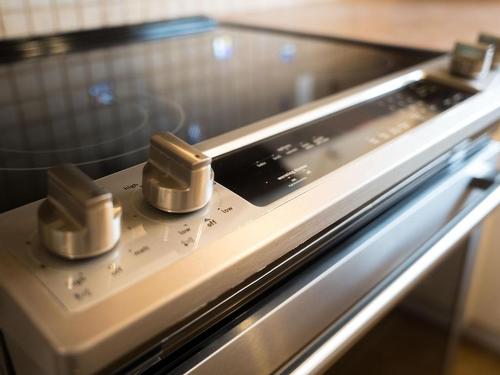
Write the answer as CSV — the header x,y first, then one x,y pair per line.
x,y
97,107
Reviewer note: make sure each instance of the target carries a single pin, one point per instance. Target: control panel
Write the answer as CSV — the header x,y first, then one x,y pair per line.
x,y
150,241
96,238
279,165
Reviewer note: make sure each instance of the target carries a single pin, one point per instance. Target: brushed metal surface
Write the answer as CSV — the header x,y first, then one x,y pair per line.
x,y
151,240
177,177
293,317
79,219
342,340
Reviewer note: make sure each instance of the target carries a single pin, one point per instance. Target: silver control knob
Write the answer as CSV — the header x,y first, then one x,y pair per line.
x,y
177,176
495,42
78,219
471,61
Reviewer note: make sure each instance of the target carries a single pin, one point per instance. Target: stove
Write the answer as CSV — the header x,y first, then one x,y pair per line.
x,y
96,107
242,175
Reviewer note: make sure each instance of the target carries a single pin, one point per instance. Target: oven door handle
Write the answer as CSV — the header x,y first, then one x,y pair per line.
x,y
440,245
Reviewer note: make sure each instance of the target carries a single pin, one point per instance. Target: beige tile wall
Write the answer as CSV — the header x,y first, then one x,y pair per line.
x,y
19,18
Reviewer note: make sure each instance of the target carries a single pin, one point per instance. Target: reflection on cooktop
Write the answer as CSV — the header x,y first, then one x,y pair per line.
x,y
94,134
98,108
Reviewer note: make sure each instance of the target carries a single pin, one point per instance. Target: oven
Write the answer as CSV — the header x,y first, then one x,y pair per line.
x,y
416,256
220,200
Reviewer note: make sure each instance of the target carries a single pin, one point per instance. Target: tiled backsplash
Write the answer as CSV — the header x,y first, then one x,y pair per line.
x,y
21,18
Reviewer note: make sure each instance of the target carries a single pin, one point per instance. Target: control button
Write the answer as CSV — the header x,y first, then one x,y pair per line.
x,y
495,42
471,61
78,219
177,177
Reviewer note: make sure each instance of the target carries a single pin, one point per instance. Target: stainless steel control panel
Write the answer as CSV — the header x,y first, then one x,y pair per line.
x,y
151,240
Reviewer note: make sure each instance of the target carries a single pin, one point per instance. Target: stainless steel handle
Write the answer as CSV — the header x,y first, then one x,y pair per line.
x,y
338,344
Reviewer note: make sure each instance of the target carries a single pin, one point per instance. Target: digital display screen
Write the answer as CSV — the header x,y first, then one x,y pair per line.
x,y
268,170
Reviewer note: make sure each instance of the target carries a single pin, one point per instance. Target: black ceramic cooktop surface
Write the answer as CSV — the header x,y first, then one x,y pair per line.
x,y
97,106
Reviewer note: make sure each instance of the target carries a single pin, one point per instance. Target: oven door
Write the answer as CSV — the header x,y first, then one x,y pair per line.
x,y
404,273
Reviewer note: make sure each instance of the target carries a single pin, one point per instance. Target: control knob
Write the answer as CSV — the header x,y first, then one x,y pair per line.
x,y
177,177
471,61
79,219
495,42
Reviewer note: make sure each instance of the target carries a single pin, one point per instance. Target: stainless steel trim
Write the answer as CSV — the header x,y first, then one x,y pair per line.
x,y
286,121
435,68
343,339
456,323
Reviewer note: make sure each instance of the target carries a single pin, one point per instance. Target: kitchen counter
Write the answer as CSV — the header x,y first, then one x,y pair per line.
x,y
423,24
